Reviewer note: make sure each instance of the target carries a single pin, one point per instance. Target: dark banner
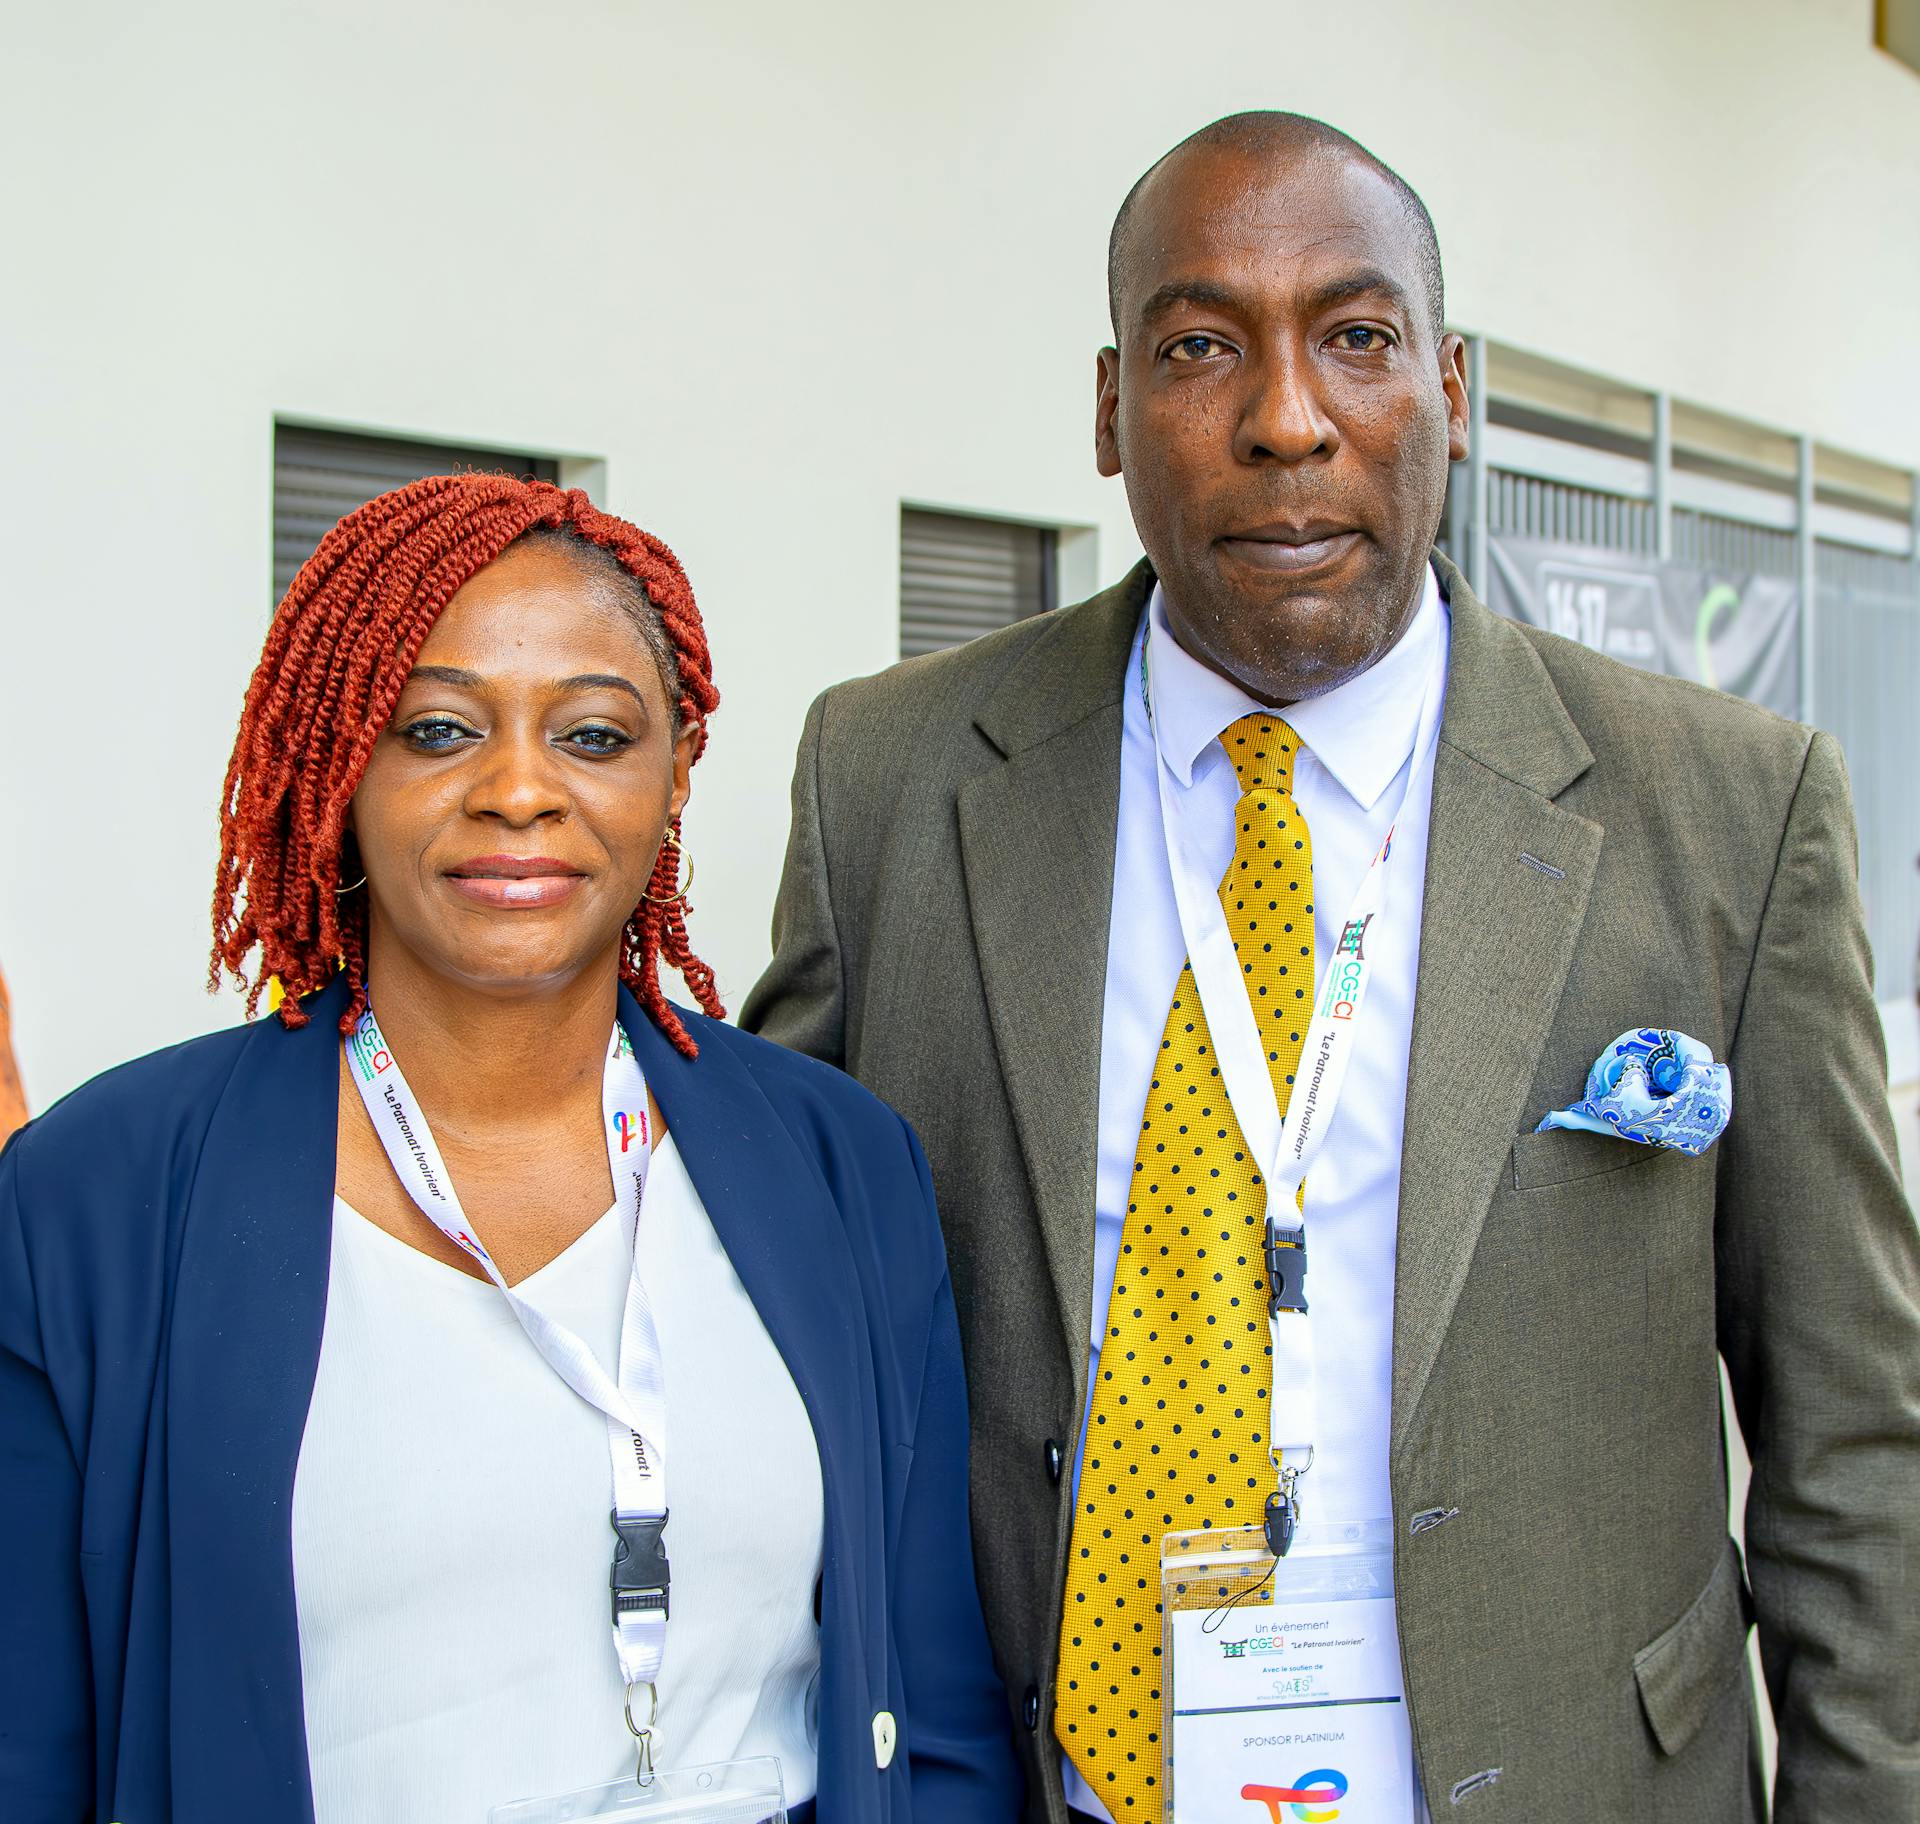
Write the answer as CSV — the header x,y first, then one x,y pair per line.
x,y
1732,632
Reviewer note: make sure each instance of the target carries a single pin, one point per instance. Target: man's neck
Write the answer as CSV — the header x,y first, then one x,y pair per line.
x,y
483,1062
1267,691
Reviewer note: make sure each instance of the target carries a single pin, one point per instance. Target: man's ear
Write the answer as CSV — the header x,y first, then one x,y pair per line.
x,y
1453,382
1106,401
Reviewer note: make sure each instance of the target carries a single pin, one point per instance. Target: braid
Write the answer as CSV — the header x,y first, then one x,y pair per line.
x,y
336,659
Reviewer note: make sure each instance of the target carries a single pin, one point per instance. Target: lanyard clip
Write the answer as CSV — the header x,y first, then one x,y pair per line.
x,y
1283,1513
640,1576
1286,1270
643,1738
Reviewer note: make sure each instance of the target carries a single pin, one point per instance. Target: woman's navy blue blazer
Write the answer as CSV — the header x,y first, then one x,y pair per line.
x,y
164,1239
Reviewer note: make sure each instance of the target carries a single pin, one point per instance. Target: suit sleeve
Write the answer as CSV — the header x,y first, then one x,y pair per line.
x,y
957,1728
1818,1287
46,1709
801,1000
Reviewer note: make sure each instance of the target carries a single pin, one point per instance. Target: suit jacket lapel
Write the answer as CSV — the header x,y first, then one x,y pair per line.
x,y
1037,844
1497,937
249,1309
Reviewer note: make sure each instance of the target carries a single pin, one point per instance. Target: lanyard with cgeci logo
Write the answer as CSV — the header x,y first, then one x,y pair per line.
x,y
634,1406
1280,1676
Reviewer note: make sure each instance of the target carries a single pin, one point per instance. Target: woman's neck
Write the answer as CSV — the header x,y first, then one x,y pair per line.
x,y
489,1062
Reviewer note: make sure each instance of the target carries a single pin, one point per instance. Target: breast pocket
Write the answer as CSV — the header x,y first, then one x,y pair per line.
x,y
1567,1155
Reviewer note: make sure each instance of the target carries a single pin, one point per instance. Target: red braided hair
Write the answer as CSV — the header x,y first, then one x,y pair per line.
x,y
337,656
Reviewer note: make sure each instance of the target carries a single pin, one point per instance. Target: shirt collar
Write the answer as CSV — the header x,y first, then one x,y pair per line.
x,y
1361,731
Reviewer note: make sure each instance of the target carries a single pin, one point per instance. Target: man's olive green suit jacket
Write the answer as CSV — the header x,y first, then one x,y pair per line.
x,y
1609,849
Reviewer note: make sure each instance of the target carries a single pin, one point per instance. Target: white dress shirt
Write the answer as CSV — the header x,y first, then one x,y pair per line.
x,y
1356,746
451,1542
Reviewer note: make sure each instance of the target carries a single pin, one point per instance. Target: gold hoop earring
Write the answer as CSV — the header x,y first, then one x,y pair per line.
x,y
680,854
342,892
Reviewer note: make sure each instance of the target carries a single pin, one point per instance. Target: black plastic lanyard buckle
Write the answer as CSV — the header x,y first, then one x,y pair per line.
x,y
1286,1270
1281,1519
641,1576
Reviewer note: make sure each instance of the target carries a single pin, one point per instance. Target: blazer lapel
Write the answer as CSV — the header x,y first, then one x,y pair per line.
x,y
1497,937
1037,846
249,1309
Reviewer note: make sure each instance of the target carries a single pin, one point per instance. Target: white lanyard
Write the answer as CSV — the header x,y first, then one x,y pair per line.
x,y
635,1407
1286,1147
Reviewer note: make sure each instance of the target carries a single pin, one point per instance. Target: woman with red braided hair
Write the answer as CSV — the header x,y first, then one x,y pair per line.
x,y
329,1345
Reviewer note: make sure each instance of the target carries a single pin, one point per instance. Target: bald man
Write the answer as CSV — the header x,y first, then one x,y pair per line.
x,y
1105,904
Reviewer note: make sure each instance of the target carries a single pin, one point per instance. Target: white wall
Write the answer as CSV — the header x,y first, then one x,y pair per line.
x,y
780,267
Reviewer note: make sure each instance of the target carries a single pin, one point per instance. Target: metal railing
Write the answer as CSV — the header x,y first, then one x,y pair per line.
x,y
1859,620
1867,668
1525,506
1717,542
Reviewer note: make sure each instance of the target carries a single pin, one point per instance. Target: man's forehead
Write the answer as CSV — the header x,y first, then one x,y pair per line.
x,y
1278,220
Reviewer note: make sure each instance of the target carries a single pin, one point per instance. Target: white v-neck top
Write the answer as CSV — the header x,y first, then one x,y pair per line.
x,y
451,1542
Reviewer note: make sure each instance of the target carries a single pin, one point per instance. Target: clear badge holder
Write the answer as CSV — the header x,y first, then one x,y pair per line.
x,y
724,1792
1280,1682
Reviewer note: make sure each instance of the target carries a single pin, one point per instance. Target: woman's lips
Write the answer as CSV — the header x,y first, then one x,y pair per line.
x,y
526,890
1290,557
515,881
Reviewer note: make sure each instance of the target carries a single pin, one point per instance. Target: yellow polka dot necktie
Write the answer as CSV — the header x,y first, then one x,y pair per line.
x,y
1177,1437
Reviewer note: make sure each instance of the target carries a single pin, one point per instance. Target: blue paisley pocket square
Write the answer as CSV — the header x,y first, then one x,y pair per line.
x,y
1657,1087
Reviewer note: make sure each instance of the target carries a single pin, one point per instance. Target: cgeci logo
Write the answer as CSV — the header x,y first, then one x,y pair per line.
x,y
1352,936
1314,1797
628,1127
369,1057
1343,987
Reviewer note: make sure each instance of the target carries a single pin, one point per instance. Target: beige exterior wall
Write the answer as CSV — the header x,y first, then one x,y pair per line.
x,y
780,268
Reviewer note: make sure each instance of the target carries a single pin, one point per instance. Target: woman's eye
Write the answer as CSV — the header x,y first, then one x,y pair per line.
x,y
599,741
1196,348
435,734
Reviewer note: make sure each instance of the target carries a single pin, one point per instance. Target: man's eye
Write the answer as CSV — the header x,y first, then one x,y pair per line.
x,y
1196,348
1362,339
598,741
435,734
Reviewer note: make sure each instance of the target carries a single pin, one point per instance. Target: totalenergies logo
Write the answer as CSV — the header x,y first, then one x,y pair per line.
x,y
1315,1797
629,1127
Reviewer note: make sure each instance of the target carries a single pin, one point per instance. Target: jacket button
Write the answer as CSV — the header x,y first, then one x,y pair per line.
x,y
884,1737
1030,1709
1056,1459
